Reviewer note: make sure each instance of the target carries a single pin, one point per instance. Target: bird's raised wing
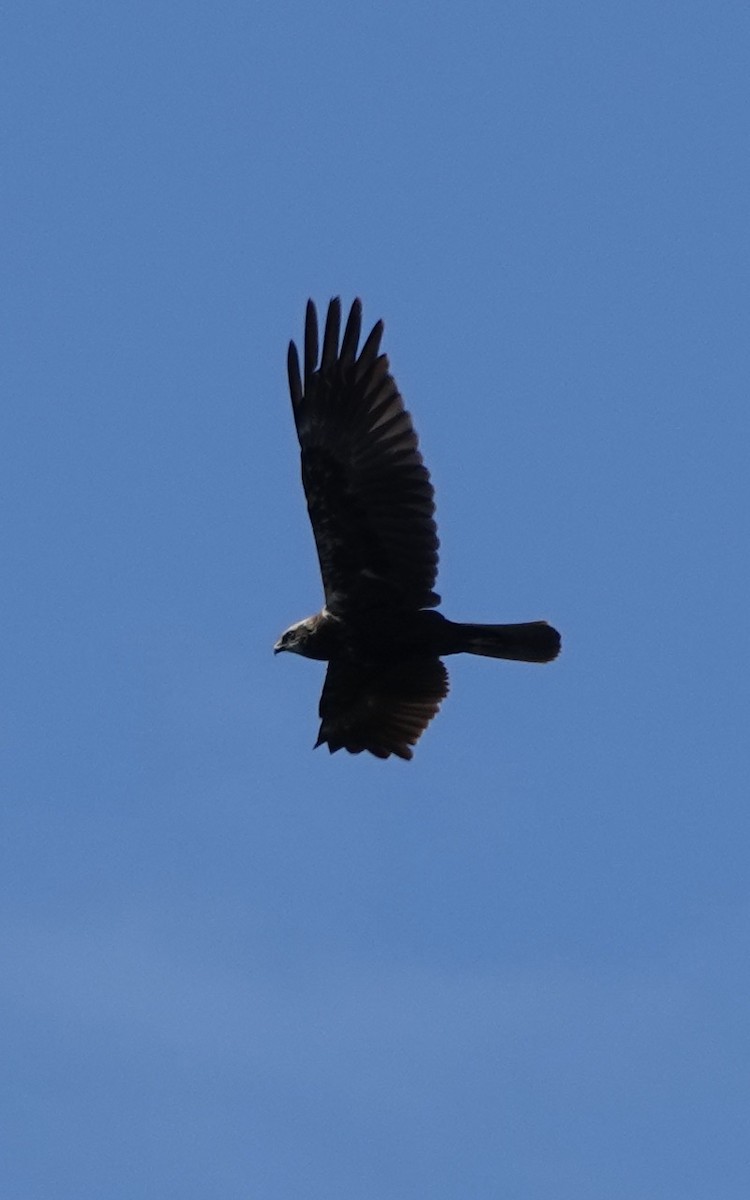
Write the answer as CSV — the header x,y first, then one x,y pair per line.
x,y
381,709
368,492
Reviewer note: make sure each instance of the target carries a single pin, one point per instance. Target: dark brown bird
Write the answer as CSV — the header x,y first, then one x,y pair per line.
x,y
371,506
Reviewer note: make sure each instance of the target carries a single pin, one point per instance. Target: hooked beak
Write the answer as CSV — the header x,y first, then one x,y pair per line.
x,y
278,648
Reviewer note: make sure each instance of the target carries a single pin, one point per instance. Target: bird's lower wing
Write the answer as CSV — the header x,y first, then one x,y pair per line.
x,y
381,709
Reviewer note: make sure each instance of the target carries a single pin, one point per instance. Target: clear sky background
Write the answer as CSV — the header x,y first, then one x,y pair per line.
x,y
518,966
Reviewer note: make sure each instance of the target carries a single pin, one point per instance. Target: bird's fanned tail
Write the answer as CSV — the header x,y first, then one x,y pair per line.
x,y
531,641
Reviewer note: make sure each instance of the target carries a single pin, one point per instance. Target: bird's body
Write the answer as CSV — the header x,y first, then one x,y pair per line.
x,y
371,506
386,635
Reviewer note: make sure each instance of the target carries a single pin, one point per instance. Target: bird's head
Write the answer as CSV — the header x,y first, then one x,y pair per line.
x,y
297,637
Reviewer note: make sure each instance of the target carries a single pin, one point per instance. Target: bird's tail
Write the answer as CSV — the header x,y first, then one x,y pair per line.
x,y
533,641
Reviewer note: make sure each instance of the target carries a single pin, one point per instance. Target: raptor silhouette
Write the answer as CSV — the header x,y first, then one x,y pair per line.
x,y
371,507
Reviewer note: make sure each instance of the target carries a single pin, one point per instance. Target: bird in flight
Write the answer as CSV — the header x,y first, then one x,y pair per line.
x,y
371,507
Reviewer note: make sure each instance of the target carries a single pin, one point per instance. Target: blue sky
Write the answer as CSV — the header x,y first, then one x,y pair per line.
x,y
517,966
